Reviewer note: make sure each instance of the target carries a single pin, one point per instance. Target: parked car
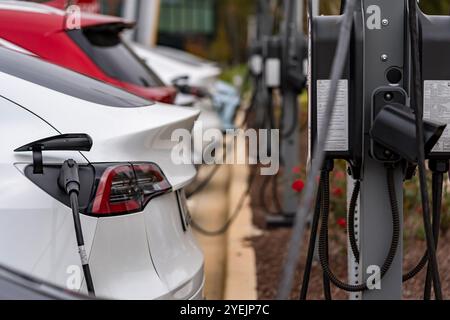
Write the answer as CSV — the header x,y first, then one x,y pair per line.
x,y
173,65
136,226
170,64
16,285
92,6
94,49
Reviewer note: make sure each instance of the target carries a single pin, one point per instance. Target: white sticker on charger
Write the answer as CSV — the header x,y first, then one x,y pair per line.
x,y
338,133
436,107
256,64
273,73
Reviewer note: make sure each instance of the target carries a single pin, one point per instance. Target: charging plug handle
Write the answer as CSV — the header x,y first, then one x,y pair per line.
x,y
69,179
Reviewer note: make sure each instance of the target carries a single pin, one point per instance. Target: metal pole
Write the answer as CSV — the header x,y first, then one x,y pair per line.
x,y
148,18
129,9
300,15
354,271
129,12
291,145
290,151
264,30
315,7
384,47
290,142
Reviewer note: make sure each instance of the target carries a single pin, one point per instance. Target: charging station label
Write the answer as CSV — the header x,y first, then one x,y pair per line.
x,y
338,134
437,108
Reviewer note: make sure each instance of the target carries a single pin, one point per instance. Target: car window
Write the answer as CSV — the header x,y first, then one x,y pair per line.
x,y
65,81
105,47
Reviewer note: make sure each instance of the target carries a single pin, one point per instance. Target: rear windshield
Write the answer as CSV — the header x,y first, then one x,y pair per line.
x,y
105,47
65,81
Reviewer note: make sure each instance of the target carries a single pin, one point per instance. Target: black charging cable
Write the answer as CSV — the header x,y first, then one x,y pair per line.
x,y
226,226
312,242
69,181
204,183
417,101
323,197
194,91
354,243
325,203
351,220
323,238
439,168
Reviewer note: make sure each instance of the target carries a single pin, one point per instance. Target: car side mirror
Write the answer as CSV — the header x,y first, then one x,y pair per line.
x,y
181,80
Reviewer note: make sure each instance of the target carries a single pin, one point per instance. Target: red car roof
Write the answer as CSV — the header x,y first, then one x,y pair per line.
x,y
85,5
41,30
46,19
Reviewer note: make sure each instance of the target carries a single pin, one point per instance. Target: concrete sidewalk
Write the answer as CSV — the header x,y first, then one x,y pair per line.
x,y
230,265
240,281
209,209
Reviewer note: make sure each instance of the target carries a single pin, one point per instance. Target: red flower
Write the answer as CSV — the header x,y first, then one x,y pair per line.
x,y
298,185
338,192
342,222
339,175
296,170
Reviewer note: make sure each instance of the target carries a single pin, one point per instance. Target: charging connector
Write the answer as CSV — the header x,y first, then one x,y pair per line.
x,y
69,181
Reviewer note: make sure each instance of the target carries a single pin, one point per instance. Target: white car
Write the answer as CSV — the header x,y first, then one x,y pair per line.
x,y
170,64
133,215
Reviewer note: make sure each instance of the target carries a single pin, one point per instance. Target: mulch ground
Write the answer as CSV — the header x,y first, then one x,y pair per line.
x,y
271,249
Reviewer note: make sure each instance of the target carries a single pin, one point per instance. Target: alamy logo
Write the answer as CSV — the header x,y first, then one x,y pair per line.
x,y
373,17
73,281
206,146
374,280
73,17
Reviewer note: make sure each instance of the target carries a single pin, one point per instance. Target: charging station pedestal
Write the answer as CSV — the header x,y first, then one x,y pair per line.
x,y
292,54
377,61
374,128
354,270
385,40
291,146
290,149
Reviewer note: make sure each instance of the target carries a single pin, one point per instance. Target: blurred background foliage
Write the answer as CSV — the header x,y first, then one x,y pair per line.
x,y
229,44
435,6
228,21
428,6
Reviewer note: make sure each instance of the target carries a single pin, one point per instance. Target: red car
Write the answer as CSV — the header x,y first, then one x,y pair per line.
x,y
95,49
92,6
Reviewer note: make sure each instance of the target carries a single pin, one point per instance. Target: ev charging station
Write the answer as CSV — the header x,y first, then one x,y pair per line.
x,y
284,70
277,63
375,125
293,83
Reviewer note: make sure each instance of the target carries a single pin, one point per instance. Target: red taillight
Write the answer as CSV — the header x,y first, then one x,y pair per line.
x,y
128,188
